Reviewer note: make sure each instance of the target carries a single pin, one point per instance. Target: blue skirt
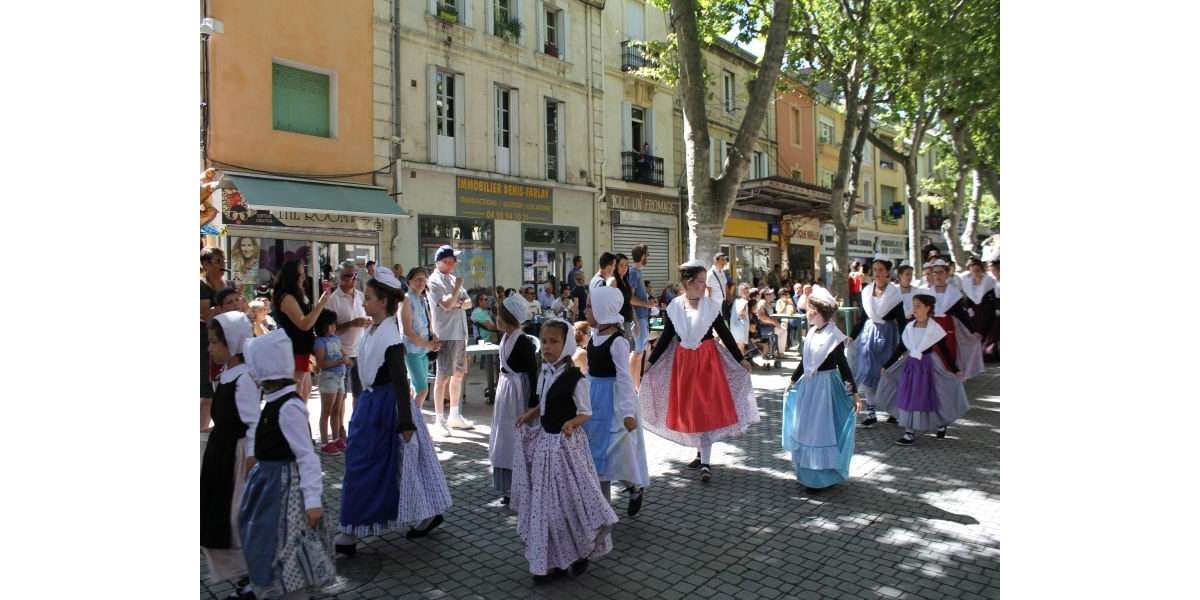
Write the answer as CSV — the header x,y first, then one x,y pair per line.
x,y
371,486
873,347
599,426
818,429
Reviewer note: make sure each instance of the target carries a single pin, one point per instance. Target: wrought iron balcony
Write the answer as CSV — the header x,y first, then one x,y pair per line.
x,y
642,168
633,56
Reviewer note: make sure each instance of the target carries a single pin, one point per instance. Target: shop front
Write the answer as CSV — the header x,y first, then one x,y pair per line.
x,y
269,221
804,248
653,220
863,245
546,253
475,238
751,240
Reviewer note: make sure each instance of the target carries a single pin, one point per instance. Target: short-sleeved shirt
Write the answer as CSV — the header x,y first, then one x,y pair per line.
x,y
478,316
447,324
348,307
634,279
580,294
333,351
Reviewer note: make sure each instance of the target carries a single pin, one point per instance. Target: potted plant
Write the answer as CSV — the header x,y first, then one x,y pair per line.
x,y
509,30
448,14
551,49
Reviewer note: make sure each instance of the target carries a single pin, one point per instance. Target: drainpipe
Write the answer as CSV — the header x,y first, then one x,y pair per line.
x,y
397,175
204,94
603,159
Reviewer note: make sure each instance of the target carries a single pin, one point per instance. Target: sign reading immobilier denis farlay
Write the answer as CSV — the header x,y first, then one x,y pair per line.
x,y
486,199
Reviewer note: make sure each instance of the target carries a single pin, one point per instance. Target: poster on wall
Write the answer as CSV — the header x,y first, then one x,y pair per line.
x,y
210,204
475,267
252,261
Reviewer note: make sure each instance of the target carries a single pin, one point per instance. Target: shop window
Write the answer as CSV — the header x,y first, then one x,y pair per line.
x,y
474,237
301,101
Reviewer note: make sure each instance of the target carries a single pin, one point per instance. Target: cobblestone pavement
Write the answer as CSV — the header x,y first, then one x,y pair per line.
x,y
916,522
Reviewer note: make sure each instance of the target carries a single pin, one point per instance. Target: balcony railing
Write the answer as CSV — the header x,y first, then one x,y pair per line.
x,y
633,56
641,168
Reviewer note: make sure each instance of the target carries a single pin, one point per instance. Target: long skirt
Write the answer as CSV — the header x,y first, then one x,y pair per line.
x,y
626,455
818,429
512,393
718,401
970,351
600,426
922,394
873,347
274,527
991,340
371,485
229,563
562,516
424,493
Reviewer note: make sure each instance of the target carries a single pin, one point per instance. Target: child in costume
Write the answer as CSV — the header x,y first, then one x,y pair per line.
x,y
698,392
393,478
284,537
514,392
874,338
223,470
562,516
618,448
818,412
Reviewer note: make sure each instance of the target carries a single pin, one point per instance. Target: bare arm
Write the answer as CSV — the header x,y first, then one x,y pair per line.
x,y
291,308
406,320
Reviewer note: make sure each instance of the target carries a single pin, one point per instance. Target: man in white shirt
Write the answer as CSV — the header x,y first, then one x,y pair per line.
x,y
717,279
546,296
449,304
608,264
352,320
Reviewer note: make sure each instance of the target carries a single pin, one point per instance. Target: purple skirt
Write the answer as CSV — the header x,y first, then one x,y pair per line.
x,y
922,394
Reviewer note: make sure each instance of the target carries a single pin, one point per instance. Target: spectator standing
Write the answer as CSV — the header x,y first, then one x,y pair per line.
x,y
640,299
575,276
717,278
212,280
855,282
297,316
449,304
347,303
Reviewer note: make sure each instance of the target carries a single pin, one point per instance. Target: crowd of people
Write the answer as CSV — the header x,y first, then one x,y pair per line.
x,y
579,383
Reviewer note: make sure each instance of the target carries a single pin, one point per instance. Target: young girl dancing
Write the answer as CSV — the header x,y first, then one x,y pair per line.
x,y
562,517
880,321
514,392
393,478
818,413
284,538
223,470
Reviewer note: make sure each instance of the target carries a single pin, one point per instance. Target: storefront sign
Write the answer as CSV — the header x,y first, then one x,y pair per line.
x,y
866,244
642,203
487,199
236,212
746,228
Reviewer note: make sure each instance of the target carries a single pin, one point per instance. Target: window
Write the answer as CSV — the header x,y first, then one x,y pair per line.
x,y
797,175
866,153
759,165
506,130
825,132
502,19
445,104
552,28
637,120
887,197
796,126
553,139
827,178
300,101
869,212
729,91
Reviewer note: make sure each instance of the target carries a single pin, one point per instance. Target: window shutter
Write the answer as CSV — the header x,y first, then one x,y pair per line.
x,y
626,127
431,110
489,16
432,7
562,147
540,8
460,119
514,135
650,126
563,25
464,10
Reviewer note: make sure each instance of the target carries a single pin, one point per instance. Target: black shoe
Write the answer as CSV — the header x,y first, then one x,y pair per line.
x,y
695,464
415,533
505,500
635,501
240,595
813,490
907,440
705,473
941,433
548,577
579,567
869,422
892,420
347,550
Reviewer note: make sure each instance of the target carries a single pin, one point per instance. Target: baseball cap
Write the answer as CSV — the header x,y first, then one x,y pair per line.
x,y
445,252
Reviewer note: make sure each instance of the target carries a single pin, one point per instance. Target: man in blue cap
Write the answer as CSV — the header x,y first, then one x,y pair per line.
x,y
449,304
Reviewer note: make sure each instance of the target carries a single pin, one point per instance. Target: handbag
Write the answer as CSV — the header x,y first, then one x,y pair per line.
x,y
315,555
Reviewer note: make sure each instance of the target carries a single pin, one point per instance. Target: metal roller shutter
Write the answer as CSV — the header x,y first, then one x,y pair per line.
x,y
657,240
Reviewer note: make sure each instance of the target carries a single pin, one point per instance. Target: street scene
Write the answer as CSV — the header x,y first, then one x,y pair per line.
x,y
599,298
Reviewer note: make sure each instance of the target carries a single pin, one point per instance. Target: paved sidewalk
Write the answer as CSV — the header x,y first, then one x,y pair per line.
x,y
917,522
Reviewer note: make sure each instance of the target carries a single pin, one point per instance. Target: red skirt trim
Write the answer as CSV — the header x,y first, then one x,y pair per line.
x,y
699,398
947,323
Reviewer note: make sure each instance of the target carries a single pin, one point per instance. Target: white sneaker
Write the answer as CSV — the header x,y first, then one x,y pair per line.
x,y
440,429
460,423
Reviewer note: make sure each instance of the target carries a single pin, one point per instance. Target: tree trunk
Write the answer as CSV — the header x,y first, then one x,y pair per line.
x,y
950,225
968,236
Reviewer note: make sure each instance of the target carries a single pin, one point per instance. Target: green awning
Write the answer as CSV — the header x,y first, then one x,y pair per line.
x,y
333,198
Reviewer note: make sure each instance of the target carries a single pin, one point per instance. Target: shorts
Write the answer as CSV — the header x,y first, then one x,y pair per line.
x,y
351,381
642,336
302,363
331,383
452,358
418,370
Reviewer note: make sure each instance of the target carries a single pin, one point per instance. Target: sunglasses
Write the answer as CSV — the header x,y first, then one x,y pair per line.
x,y
349,275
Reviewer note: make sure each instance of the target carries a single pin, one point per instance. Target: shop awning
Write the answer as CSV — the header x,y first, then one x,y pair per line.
x,y
790,196
268,193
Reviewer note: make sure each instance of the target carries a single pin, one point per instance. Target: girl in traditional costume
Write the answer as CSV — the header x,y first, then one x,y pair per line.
x,y
951,314
618,447
515,392
921,379
284,538
880,321
699,392
982,299
818,411
393,479
562,516
223,470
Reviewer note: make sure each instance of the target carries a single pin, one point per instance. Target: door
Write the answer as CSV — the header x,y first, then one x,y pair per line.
x,y
447,118
504,130
801,263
